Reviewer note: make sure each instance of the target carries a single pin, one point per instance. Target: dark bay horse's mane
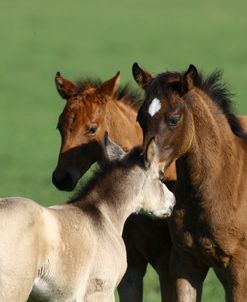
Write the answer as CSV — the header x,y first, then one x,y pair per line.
x,y
124,93
219,92
212,85
134,157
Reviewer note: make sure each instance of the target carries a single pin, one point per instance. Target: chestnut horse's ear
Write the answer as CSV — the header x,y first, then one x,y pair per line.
x,y
142,77
65,88
189,78
112,150
110,87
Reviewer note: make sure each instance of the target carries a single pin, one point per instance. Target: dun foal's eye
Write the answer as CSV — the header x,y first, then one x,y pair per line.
x,y
92,130
172,121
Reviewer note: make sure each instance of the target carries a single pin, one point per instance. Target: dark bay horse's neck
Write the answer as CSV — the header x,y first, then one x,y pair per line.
x,y
115,195
209,173
122,126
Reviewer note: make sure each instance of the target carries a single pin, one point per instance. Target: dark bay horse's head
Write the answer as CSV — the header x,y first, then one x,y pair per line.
x,y
165,114
82,126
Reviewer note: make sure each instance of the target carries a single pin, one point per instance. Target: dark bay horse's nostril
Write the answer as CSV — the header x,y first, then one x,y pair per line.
x,y
63,181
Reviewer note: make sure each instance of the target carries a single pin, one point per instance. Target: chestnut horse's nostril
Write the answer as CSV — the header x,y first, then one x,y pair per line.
x,y
63,181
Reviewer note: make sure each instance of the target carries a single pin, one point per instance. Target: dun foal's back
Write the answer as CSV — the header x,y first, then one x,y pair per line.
x,y
75,252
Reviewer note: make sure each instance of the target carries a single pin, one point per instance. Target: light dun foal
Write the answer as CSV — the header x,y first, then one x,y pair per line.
x,y
75,252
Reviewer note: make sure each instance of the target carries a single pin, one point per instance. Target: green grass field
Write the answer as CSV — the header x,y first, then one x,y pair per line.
x,y
78,38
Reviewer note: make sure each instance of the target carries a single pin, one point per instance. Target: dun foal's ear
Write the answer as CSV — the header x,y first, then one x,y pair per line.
x,y
110,87
189,78
142,77
64,87
152,153
112,150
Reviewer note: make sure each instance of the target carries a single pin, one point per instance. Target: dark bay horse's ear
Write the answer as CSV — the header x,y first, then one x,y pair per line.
x,y
65,88
110,87
112,150
141,76
189,78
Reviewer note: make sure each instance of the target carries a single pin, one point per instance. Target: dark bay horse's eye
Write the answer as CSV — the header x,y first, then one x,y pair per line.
x,y
92,130
172,121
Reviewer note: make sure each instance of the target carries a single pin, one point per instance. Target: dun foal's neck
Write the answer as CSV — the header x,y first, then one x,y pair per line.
x,y
115,195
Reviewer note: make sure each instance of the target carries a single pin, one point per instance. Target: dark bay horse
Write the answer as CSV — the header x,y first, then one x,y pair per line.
x,y
193,123
93,107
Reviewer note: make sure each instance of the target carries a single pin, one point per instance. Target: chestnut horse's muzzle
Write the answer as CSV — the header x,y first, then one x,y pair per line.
x,y
64,181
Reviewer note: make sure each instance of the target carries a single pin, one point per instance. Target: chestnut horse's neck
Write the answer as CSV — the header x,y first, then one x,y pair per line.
x,y
121,124
111,199
214,170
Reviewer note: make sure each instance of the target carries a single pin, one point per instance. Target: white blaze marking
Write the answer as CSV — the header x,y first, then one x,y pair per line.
x,y
154,107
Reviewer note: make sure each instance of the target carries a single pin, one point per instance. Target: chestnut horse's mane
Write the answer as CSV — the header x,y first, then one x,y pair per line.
x,y
212,85
134,157
124,93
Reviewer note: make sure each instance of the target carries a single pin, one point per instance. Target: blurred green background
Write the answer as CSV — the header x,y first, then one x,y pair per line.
x,y
98,38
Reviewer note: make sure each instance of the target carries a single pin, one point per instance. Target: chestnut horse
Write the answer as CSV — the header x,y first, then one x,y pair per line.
x,y
75,252
193,123
93,107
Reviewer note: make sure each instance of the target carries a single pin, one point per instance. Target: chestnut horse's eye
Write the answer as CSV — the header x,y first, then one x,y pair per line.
x,y
172,121
92,130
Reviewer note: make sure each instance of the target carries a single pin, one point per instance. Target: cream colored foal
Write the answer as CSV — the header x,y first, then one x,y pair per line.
x,y
75,252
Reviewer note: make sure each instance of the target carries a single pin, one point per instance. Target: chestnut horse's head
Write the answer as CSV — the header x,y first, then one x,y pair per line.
x,y
82,127
165,114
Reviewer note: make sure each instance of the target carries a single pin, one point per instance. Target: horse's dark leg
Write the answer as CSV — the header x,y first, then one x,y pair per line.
x,y
163,269
236,274
130,288
167,287
188,275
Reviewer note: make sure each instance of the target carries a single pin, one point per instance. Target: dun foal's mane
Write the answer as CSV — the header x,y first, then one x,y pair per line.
x,y
212,85
124,93
135,157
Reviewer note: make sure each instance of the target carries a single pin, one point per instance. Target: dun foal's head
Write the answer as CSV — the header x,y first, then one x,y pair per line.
x,y
82,127
153,196
165,114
